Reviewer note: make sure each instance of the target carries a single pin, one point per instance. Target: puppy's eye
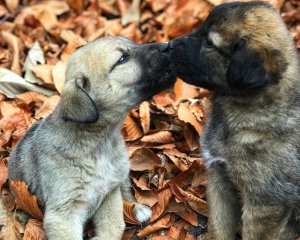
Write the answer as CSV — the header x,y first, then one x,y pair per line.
x,y
207,43
123,59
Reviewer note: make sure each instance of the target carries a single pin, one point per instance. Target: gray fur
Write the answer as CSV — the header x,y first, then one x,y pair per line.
x,y
75,159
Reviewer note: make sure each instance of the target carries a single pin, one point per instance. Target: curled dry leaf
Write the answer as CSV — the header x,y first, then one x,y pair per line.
x,y
189,216
159,137
165,222
185,91
44,72
12,84
133,13
34,230
144,159
48,107
24,200
128,234
164,198
29,97
58,74
35,56
3,172
142,183
131,130
185,114
145,116
129,216
145,197
13,43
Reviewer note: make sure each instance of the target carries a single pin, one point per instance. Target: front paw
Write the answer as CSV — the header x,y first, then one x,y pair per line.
x,y
142,212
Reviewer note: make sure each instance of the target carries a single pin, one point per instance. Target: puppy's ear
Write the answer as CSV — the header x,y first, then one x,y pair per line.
x,y
76,104
250,68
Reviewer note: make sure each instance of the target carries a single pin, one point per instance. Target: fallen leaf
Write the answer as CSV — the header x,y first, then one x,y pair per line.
x,y
58,74
3,171
144,159
145,197
164,198
141,183
159,137
131,130
44,72
12,85
185,115
24,200
144,110
13,43
185,91
48,107
133,13
165,222
129,216
35,56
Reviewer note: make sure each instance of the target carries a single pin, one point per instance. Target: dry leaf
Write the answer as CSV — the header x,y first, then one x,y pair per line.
x,y
48,107
145,116
131,131
24,200
35,56
3,172
185,91
185,114
159,137
13,43
44,72
12,84
129,216
165,222
145,197
133,13
164,198
58,74
144,159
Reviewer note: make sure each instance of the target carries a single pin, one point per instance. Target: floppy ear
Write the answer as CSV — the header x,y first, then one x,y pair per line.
x,y
76,104
251,68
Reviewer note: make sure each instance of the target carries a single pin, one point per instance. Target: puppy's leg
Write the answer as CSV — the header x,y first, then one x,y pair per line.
x,y
108,220
262,222
62,227
224,205
141,212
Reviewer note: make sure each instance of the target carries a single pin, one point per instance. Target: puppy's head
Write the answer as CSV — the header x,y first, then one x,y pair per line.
x,y
240,47
110,76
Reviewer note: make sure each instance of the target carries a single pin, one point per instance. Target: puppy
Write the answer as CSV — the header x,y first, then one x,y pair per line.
x,y
251,142
75,159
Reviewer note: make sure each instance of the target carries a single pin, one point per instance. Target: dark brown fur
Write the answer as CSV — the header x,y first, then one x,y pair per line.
x,y
251,143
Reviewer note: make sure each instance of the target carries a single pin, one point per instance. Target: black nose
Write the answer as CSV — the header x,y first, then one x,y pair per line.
x,y
164,47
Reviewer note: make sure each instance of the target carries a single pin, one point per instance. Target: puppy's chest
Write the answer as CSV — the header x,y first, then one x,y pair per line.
x,y
101,175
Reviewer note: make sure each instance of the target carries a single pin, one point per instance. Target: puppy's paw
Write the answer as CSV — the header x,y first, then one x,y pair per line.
x,y
142,212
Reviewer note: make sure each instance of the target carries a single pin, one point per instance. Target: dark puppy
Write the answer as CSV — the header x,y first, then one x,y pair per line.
x,y
251,143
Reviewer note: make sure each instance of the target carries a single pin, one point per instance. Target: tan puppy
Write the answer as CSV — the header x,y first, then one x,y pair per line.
x,y
251,143
75,159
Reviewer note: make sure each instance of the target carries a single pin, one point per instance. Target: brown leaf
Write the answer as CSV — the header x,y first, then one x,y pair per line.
x,y
129,216
34,230
29,97
185,91
128,234
142,183
144,159
145,197
164,198
48,107
3,171
58,74
44,72
133,13
165,222
158,137
185,114
189,216
24,200
13,43
145,116
131,130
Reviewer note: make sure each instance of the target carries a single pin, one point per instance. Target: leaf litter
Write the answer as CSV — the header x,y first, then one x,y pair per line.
x,y
162,135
